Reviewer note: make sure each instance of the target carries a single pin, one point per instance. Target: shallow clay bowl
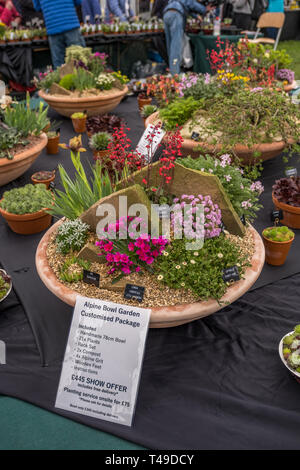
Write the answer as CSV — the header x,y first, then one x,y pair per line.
x,y
92,105
161,317
245,154
12,169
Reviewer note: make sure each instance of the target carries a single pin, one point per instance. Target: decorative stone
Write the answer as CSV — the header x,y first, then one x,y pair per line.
x,y
56,89
131,195
118,286
66,69
188,181
90,253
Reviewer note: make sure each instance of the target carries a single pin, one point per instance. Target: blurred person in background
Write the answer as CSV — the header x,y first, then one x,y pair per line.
x,y
27,10
275,6
62,26
91,9
174,16
242,10
8,13
119,8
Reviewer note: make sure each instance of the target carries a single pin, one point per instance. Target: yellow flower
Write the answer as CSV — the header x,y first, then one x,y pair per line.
x,y
74,145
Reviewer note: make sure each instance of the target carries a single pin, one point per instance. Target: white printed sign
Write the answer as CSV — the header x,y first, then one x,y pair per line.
x,y
157,138
103,359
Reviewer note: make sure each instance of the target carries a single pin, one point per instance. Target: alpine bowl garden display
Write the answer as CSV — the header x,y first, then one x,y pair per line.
x,y
83,84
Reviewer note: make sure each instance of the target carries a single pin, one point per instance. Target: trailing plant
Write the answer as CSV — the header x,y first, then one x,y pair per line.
x,y
100,141
200,271
287,191
81,192
26,200
71,236
26,120
179,111
72,269
278,234
10,138
241,191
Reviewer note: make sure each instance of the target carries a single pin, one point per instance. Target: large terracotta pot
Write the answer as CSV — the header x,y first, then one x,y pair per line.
x,y
245,154
92,105
276,252
12,169
162,317
291,214
27,224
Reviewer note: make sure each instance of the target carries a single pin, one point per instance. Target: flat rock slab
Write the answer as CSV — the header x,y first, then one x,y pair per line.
x,y
90,253
66,69
114,202
188,181
56,89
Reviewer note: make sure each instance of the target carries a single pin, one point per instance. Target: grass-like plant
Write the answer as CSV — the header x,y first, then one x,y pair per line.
x,y
25,120
84,80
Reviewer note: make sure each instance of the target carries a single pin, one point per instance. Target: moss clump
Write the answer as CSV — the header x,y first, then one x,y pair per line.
x,y
68,81
278,234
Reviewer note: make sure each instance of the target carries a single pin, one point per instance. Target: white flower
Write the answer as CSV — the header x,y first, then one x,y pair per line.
x,y
165,253
196,253
182,284
160,277
220,255
184,263
193,261
178,266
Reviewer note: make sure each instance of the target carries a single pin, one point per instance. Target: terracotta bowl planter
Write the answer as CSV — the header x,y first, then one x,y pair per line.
x,y
46,182
162,317
100,154
27,224
12,169
276,252
245,154
291,214
143,102
294,373
93,105
52,145
79,125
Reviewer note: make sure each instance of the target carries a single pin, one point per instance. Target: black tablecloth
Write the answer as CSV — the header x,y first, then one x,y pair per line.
x,y
217,383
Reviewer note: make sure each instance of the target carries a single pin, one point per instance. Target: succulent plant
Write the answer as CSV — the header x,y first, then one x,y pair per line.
x,y
5,283
287,190
148,110
72,269
26,200
278,234
100,141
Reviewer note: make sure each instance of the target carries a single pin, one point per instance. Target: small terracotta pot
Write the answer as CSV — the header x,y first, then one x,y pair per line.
x,y
143,102
100,154
291,214
46,182
276,252
27,224
52,145
79,125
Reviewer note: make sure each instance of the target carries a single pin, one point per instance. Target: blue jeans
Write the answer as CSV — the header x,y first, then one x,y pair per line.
x,y
90,8
174,29
59,42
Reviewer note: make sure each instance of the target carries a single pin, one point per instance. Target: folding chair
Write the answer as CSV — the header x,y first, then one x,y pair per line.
x,y
269,20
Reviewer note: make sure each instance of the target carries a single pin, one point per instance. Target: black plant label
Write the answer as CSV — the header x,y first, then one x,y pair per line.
x,y
52,185
222,226
243,220
195,136
231,274
91,278
276,215
134,292
289,172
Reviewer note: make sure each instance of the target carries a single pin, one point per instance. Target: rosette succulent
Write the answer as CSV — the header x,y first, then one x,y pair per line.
x,y
287,191
278,234
26,200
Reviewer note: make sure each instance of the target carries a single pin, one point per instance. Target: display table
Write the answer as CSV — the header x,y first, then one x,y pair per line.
x,y
202,45
216,383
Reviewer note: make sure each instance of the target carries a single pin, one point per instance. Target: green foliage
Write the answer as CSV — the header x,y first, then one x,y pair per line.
x,y
25,120
68,81
179,111
148,110
9,138
264,56
201,90
84,80
100,141
200,271
78,116
5,284
46,82
278,234
72,269
71,236
26,200
80,194
78,53
237,187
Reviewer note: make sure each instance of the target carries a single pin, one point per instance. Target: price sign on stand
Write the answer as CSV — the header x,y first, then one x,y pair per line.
x,y
144,142
103,360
